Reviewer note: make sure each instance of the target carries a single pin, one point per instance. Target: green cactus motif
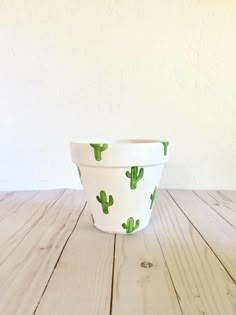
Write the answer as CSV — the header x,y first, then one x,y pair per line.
x,y
165,144
134,176
98,149
130,226
104,202
153,196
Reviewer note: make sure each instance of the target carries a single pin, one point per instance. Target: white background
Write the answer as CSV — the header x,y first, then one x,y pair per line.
x,y
124,69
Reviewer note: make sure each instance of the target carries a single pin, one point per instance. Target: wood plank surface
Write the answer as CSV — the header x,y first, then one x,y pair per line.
x,y
54,262
12,202
81,283
221,204
202,284
230,194
5,194
20,220
218,233
140,288
25,273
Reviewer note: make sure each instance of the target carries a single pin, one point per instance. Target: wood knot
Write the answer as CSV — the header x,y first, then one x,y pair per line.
x,y
146,264
46,247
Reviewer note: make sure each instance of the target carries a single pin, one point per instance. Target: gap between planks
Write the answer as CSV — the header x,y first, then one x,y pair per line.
x,y
205,292
59,257
113,273
25,273
26,221
192,263
4,195
168,269
222,205
129,244
192,211
81,283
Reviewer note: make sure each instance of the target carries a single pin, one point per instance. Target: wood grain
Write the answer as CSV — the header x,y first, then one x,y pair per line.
x,y
221,204
19,220
81,283
25,273
141,288
5,194
218,234
54,262
12,202
229,194
202,284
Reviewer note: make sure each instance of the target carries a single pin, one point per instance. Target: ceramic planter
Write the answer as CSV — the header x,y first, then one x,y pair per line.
x,y
120,180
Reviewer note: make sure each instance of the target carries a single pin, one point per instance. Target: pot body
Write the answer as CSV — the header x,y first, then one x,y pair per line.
x,y
120,180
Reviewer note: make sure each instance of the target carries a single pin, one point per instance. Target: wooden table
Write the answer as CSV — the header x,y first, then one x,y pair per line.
x,y
53,261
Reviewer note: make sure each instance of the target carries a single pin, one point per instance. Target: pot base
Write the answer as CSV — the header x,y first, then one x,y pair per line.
x,y
112,231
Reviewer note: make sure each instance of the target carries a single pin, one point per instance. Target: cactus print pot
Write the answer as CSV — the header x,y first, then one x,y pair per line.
x,y
120,179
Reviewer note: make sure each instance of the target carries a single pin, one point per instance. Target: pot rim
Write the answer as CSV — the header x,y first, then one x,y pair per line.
x,y
120,141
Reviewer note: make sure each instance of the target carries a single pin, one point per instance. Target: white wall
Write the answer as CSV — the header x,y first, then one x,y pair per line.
x,y
123,69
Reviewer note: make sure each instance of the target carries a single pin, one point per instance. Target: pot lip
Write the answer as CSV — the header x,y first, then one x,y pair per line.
x,y
120,141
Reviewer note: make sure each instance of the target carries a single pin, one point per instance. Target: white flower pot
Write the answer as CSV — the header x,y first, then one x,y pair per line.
x,y
120,180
